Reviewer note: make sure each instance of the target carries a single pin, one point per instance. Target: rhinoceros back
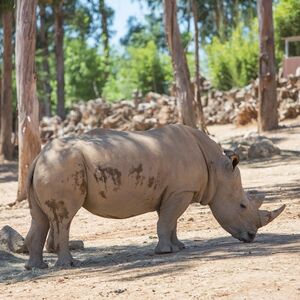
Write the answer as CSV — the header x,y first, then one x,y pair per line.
x,y
128,173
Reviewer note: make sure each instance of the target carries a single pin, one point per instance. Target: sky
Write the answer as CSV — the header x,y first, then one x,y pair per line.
x,y
123,10
126,8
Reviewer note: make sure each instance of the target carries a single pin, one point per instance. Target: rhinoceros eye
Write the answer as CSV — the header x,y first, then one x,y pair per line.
x,y
243,205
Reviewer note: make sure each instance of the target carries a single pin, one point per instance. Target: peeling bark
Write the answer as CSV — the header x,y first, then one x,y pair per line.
x,y
28,106
6,147
45,64
185,94
267,110
197,84
59,54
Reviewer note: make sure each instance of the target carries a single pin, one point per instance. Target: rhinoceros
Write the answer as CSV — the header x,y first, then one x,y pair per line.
x,y
119,175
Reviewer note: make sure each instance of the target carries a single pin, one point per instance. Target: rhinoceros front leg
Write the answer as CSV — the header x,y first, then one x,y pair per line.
x,y
169,212
175,241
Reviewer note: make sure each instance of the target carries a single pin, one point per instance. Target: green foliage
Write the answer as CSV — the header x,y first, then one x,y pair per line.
x,y
84,71
143,69
6,4
139,34
234,62
287,16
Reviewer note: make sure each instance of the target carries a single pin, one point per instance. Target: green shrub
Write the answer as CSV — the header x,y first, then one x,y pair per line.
x,y
143,69
84,71
235,62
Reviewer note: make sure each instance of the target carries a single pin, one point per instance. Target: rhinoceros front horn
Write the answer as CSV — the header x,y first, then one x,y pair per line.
x,y
268,216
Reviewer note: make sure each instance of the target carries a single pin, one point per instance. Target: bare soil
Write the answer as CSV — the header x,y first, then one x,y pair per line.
x,y
119,261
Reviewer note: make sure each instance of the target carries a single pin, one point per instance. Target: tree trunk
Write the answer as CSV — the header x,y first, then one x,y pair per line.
x,y
6,147
105,36
197,83
59,54
219,12
28,106
267,112
45,63
0,96
184,89
235,11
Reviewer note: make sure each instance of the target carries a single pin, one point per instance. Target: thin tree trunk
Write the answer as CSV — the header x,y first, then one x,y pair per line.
x,y
219,11
6,147
0,96
197,84
105,36
235,12
59,53
184,89
45,63
28,106
267,112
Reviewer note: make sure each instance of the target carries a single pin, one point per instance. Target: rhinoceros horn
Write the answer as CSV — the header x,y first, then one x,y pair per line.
x,y
268,216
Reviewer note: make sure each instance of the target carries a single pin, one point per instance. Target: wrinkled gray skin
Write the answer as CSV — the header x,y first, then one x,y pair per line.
x,y
119,175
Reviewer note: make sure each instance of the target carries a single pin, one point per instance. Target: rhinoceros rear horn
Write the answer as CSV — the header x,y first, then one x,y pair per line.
x,y
256,198
268,216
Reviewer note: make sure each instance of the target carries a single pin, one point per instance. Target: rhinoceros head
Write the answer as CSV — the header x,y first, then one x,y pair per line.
x,y
237,211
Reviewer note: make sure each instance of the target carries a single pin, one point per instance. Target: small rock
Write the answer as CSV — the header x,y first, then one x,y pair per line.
x,y
76,245
120,291
11,240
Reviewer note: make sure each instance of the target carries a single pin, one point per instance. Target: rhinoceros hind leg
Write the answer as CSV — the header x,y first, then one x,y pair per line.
x,y
50,246
169,212
36,237
60,222
61,242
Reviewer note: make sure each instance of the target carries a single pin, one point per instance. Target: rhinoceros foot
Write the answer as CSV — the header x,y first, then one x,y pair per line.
x,y
180,245
35,265
67,262
163,248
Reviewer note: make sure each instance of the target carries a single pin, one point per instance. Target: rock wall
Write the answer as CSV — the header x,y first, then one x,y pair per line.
x,y
235,106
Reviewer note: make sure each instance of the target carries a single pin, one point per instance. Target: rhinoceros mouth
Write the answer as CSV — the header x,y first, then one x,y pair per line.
x,y
249,238
245,240
246,237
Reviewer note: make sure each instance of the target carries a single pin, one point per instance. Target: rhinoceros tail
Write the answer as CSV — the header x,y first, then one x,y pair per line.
x,y
31,196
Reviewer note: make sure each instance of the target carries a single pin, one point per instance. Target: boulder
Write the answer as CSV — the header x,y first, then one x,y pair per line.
x,y
139,123
76,245
11,240
262,149
242,151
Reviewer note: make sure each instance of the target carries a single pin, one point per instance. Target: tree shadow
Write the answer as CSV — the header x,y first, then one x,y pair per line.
x,y
286,156
125,259
285,191
11,168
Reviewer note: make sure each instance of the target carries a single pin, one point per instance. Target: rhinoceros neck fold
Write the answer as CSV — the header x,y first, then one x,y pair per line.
x,y
212,153
208,194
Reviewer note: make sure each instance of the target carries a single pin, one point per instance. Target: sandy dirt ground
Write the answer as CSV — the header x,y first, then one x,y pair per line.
x,y
119,261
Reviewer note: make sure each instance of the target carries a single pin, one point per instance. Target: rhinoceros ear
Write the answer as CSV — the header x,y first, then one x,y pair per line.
x,y
235,159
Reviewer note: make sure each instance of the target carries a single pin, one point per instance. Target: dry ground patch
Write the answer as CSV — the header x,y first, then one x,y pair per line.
x,y
119,260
